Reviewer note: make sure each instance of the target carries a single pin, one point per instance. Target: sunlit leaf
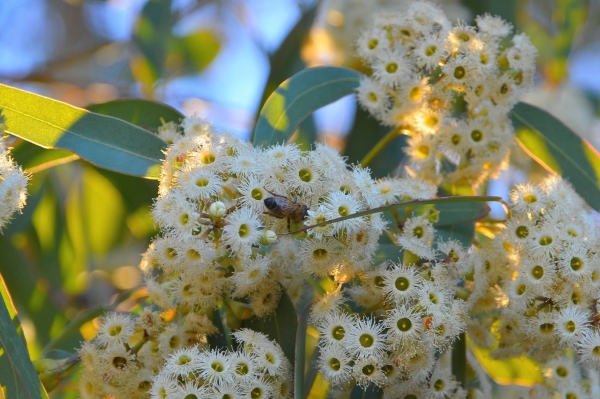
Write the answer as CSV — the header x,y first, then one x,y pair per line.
x,y
200,48
281,326
142,113
298,97
33,158
306,134
18,378
300,359
152,34
517,370
103,212
365,133
554,146
104,141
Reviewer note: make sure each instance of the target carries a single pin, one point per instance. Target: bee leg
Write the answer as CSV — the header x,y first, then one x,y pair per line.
x,y
273,194
289,230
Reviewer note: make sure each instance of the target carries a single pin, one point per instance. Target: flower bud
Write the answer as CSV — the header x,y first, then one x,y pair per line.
x,y
217,210
268,237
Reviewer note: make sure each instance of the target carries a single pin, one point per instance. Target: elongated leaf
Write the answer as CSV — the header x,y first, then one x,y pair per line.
x,y
369,393
300,359
306,134
559,150
199,49
520,370
18,378
218,340
463,232
365,134
299,96
281,326
106,142
142,113
33,158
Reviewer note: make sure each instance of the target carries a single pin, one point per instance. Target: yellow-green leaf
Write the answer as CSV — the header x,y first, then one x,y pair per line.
x,y
106,142
558,149
18,378
298,97
142,113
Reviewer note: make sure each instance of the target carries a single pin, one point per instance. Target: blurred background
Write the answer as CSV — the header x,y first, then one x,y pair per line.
x,y
76,247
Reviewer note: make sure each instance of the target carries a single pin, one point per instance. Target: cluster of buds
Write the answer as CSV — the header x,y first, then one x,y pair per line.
x,y
449,88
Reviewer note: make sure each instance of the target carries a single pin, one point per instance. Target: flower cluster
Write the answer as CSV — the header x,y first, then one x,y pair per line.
x,y
13,182
449,88
552,282
259,369
533,288
418,317
339,23
563,379
128,351
219,240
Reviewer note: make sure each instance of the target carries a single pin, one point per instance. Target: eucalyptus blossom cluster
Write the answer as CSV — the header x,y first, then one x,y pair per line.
x,y
553,280
130,349
219,241
13,182
533,288
449,88
563,377
415,312
258,369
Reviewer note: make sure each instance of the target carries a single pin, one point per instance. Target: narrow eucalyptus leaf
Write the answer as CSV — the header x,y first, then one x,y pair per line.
x,y
143,113
298,97
18,378
558,149
104,141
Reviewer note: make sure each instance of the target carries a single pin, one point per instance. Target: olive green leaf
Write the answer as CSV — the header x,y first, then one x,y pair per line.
x,y
104,141
18,378
558,149
298,97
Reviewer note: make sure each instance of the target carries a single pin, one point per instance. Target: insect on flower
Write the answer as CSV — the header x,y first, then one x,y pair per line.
x,y
283,208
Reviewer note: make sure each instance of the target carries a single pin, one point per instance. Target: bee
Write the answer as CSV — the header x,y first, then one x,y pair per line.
x,y
283,208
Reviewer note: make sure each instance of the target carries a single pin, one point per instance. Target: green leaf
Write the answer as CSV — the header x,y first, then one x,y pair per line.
x,y
18,378
457,221
152,35
365,134
199,48
106,142
281,326
306,134
554,146
34,158
298,97
218,340
142,113
463,232
369,393
459,359
300,359
387,252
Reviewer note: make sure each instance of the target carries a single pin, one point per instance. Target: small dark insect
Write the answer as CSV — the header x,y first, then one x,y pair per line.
x,y
283,208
